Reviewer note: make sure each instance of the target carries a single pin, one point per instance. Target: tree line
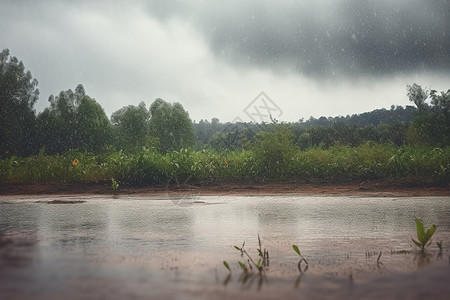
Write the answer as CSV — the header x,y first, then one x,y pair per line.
x,y
380,126
74,120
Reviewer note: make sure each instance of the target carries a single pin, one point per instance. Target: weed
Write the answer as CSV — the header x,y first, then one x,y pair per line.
x,y
227,265
260,264
241,248
264,255
243,267
115,185
423,237
439,244
302,259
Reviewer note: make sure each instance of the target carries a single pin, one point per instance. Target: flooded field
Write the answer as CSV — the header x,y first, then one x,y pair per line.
x,y
160,247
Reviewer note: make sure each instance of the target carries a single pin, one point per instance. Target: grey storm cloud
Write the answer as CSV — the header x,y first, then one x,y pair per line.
x,y
321,57
323,38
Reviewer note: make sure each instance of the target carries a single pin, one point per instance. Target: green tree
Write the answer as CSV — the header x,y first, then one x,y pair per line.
x,y
441,102
18,94
431,125
73,121
417,95
171,124
304,141
131,125
94,128
204,130
274,151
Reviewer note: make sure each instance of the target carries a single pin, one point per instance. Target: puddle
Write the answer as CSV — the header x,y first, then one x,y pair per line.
x,y
146,247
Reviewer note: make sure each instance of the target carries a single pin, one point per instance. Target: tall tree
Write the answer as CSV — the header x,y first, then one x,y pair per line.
x,y
73,121
171,124
18,94
431,125
417,95
131,126
94,128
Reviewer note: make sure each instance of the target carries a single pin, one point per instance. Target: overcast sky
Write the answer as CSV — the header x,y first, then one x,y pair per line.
x,y
311,58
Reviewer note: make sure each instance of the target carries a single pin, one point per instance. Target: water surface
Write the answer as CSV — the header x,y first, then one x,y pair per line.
x,y
149,247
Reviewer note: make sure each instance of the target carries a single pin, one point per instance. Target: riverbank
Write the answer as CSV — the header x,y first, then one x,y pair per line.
x,y
398,188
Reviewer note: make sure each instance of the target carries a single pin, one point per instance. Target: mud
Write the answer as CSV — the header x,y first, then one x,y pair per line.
x,y
393,188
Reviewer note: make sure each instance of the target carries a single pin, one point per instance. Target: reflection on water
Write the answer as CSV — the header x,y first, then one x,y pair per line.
x,y
134,240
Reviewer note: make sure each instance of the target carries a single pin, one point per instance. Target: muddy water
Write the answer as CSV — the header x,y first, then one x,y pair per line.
x,y
149,247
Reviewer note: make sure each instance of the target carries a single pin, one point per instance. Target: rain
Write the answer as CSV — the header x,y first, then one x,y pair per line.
x,y
162,149
353,56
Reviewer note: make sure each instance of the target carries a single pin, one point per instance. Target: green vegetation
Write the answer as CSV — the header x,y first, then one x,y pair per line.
x,y
226,265
73,141
260,264
148,167
18,94
424,237
302,259
115,185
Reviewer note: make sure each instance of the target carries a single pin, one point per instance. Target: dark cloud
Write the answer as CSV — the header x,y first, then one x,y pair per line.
x,y
216,56
324,38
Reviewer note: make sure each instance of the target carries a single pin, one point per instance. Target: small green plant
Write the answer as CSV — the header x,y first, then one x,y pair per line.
x,y
241,248
262,262
115,185
263,255
302,259
227,265
243,267
424,238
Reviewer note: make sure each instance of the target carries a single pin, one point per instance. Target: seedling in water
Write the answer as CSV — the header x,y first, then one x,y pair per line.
x,y
423,237
241,249
262,262
226,266
301,260
439,244
264,255
243,267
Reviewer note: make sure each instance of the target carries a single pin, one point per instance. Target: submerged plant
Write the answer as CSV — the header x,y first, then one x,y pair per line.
x,y
243,266
302,259
424,238
439,244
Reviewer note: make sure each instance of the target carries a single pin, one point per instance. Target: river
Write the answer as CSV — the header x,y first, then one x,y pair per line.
x,y
167,247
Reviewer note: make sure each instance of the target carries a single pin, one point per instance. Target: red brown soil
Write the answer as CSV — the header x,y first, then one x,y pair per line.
x,y
367,188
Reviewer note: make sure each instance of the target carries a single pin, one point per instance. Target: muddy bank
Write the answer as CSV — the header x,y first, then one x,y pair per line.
x,y
367,188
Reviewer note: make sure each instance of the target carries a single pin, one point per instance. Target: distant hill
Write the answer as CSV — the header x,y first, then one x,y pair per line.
x,y
376,117
397,114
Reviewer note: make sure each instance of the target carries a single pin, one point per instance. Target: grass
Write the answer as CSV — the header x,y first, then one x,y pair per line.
x,y
247,267
148,167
